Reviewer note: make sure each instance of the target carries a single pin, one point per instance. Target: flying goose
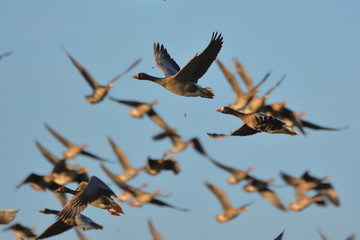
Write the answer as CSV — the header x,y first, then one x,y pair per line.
x,y
155,166
184,81
237,175
140,197
128,171
229,212
22,232
73,149
139,108
95,192
99,91
254,123
155,234
260,186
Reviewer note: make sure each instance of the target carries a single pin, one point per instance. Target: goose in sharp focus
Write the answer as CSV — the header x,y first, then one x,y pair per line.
x,y
140,108
229,212
140,197
73,149
7,215
82,222
260,186
254,123
237,175
184,81
128,171
95,192
241,98
155,166
154,233
99,91
22,232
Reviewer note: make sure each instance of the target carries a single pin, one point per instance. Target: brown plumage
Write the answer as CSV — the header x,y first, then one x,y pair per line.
x,y
184,81
260,186
7,215
155,166
22,232
99,91
229,212
154,233
254,123
139,108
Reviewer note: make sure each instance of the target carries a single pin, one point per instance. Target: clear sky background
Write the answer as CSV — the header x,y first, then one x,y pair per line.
x,y
315,43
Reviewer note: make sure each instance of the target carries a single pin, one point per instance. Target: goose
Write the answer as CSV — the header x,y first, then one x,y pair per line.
x,y
314,126
128,171
260,186
99,91
183,81
237,175
140,108
7,215
40,182
140,197
95,192
310,182
127,195
254,123
155,166
73,149
82,222
63,173
241,98
22,232
229,212
302,200
155,234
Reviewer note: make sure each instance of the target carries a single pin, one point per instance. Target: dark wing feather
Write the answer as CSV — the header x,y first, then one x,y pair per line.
x,y
199,64
226,168
164,204
280,236
86,153
129,103
317,127
164,62
54,229
49,156
88,77
293,181
244,130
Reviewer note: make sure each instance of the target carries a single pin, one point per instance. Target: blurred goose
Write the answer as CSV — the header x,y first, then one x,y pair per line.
x,y
308,182
184,81
257,103
127,195
155,234
95,192
22,232
237,175
229,212
99,91
178,144
256,185
302,200
241,98
254,123
7,215
48,155
73,149
128,171
82,222
314,126
140,108
155,166
141,198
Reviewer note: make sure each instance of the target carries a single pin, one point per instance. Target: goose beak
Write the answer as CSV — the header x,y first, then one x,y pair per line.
x,y
219,110
136,76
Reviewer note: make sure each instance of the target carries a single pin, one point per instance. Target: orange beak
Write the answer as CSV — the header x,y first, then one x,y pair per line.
x,y
135,76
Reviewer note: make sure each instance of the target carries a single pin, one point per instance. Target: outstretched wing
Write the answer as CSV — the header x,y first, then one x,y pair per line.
x,y
244,130
164,62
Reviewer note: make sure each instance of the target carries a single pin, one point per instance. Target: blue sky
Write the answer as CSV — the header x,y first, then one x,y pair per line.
x,y
316,44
